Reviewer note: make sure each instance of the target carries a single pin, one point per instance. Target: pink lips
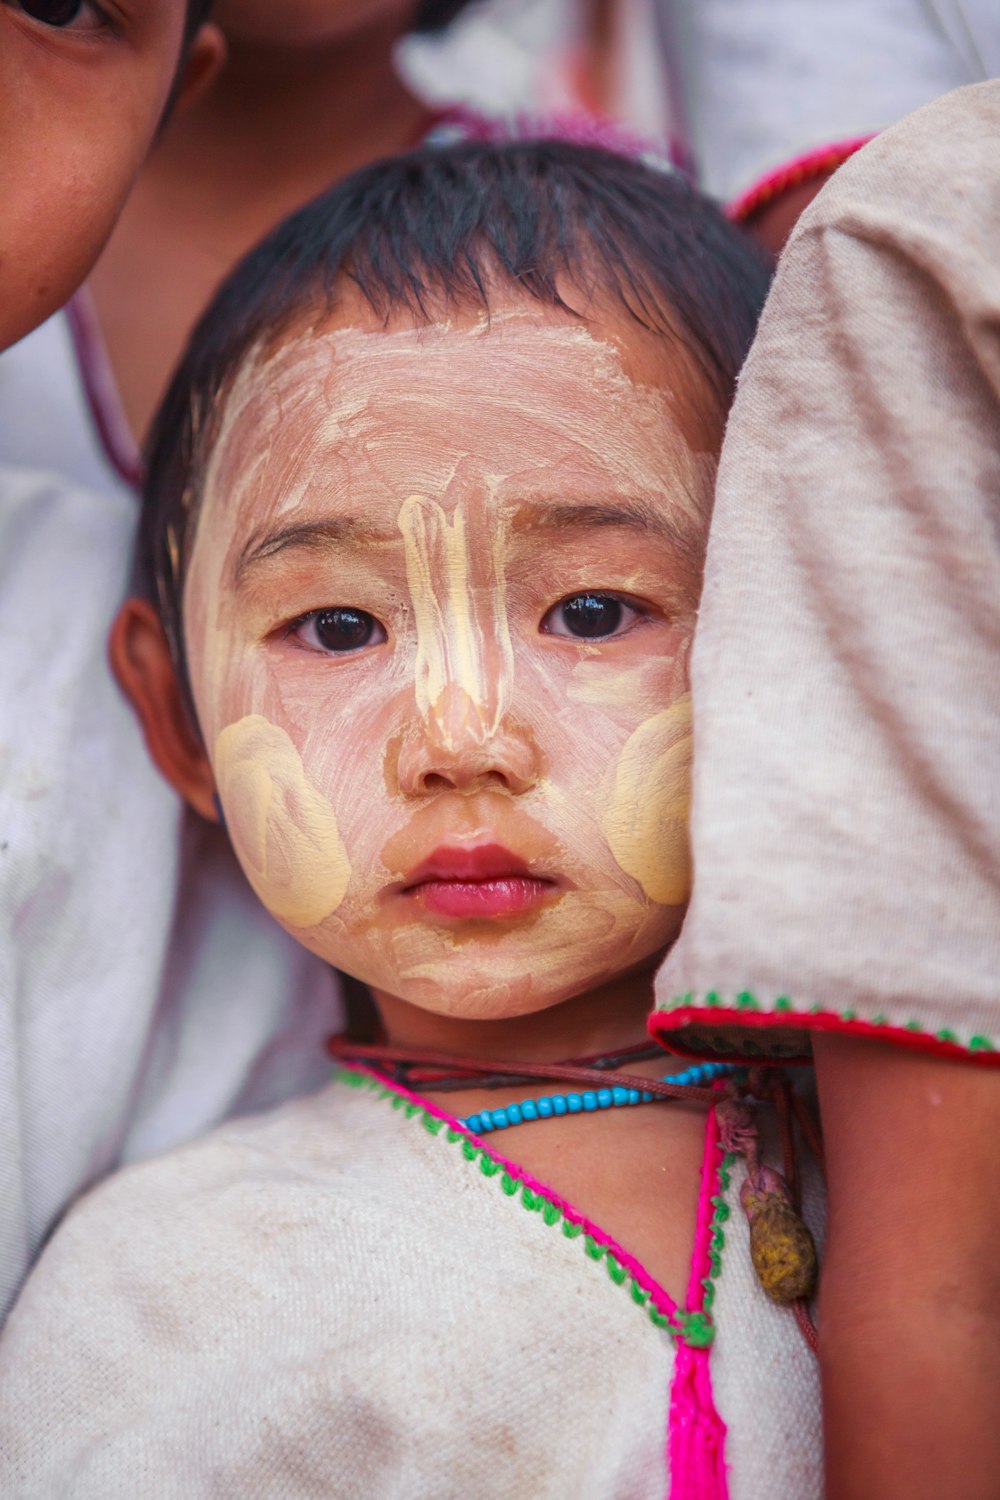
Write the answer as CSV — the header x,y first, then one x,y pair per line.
x,y
483,881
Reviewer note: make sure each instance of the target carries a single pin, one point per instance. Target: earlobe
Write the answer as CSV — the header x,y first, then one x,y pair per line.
x,y
205,57
144,670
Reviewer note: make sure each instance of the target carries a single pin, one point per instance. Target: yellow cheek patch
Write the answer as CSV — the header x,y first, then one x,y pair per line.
x,y
284,830
646,822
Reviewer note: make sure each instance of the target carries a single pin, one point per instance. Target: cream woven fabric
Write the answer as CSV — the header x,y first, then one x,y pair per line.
x,y
333,1301
846,670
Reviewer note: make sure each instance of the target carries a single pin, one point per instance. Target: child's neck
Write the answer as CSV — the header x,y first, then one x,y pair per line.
x,y
604,1020
633,1171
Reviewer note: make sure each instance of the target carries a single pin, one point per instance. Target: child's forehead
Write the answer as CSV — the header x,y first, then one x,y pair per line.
x,y
506,407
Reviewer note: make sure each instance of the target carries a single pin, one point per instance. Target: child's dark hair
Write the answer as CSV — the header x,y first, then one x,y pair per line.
x,y
459,224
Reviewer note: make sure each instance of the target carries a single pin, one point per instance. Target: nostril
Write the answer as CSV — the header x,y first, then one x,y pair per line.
x,y
434,782
426,768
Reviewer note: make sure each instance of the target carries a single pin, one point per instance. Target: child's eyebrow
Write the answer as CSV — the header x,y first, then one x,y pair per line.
x,y
325,533
680,527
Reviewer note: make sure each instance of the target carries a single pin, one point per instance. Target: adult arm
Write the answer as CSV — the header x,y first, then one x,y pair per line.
x,y
910,1298
846,816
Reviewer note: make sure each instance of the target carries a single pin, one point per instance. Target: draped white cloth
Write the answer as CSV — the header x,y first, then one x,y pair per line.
x,y
144,993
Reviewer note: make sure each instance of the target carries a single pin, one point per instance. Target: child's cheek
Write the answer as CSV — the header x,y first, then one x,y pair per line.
x,y
636,716
646,817
282,826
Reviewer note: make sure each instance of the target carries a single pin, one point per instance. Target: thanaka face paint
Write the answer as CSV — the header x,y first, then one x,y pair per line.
x,y
451,487
456,683
647,815
285,828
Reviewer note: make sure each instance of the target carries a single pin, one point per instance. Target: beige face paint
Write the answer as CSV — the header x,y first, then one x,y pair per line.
x,y
284,830
440,454
463,661
646,823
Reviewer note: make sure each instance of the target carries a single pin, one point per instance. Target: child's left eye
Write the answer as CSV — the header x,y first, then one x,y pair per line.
x,y
590,617
339,630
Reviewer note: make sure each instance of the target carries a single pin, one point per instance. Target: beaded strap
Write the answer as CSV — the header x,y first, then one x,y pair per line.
x,y
589,1101
384,1058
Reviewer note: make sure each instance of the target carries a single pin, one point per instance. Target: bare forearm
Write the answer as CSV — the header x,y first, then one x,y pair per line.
x,y
910,1302
910,1397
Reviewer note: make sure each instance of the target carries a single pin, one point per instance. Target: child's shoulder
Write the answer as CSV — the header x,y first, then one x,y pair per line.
x,y
189,1249
250,1197
248,1168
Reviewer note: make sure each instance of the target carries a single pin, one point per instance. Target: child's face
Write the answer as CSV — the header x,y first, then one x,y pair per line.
x,y
82,89
438,617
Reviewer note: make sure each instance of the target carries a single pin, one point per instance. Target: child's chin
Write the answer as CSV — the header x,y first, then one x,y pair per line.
x,y
496,991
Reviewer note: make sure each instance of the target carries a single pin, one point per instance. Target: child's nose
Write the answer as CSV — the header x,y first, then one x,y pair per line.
x,y
456,748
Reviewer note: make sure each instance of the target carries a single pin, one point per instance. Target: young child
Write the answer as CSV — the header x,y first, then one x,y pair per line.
x,y
424,526
83,87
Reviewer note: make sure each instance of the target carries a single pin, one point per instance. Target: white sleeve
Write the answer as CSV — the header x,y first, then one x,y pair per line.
x,y
766,82
144,994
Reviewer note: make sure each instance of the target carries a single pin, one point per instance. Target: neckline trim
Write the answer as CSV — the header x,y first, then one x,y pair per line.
x,y
691,1325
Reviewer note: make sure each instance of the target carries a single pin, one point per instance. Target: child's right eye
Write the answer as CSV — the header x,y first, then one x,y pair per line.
x,y
338,630
64,15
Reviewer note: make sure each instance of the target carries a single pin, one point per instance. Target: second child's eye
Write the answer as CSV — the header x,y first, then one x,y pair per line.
x,y
590,617
339,630
65,15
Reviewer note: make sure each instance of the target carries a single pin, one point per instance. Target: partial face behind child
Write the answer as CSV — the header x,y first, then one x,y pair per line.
x,y
312,23
438,616
83,86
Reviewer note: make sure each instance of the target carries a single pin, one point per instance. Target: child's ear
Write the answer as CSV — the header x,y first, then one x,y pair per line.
x,y
142,664
205,56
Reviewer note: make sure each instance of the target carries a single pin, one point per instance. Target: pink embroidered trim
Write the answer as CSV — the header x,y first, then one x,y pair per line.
x,y
103,399
661,1299
667,1027
819,162
696,1434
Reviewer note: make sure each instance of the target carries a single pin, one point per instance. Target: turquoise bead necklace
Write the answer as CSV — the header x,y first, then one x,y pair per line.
x,y
589,1101
610,1089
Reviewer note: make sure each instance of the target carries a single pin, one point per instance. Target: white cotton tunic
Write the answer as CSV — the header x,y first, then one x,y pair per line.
x,y
353,1296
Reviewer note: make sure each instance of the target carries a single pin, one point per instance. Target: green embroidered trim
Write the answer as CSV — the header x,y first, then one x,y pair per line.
x,y
693,1328
746,1001
717,1240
